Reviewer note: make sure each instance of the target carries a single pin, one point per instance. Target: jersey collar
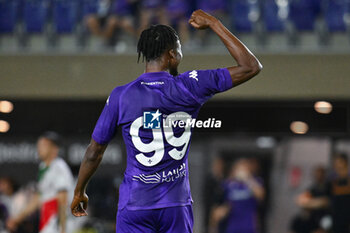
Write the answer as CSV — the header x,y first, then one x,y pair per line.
x,y
156,74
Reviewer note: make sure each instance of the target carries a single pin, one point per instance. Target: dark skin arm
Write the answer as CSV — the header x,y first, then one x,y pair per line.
x,y
247,64
89,165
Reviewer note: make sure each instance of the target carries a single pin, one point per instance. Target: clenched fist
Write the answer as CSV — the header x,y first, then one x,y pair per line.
x,y
201,20
79,205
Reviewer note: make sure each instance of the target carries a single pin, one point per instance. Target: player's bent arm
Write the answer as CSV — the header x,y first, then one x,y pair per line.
x,y
89,165
33,205
62,199
247,64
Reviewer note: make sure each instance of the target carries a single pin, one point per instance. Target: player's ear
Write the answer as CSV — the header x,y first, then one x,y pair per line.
x,y
172,54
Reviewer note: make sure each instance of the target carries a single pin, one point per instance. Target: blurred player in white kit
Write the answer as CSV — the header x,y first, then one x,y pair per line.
x,y
55,188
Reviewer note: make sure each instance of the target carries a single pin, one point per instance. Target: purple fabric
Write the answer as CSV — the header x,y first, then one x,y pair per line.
x,y
153,178
242,217
166,220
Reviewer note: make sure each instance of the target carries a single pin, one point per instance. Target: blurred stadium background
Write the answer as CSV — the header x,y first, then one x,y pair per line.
x,y
60,59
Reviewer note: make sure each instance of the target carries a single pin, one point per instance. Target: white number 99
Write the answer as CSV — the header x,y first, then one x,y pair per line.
x,y
157,145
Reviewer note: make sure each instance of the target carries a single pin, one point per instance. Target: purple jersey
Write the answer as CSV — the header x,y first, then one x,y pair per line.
x,y
242,217
156,175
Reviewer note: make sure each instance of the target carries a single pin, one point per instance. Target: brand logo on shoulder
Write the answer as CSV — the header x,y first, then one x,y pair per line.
x,y
151,120
193,74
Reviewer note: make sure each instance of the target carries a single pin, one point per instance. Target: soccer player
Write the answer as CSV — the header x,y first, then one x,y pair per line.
x,y
55,188
242,192
155,193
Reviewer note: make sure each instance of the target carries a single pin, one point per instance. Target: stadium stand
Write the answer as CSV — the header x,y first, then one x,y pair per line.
x,y
8,16
274,15
244,14
65,15
335,12
35,15
52,19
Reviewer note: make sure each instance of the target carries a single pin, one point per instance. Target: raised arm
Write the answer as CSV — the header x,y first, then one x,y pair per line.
x,y
247,64
89,165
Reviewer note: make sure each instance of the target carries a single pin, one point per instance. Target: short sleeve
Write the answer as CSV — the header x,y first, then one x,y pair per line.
x,y
203,84
61,183
106,125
